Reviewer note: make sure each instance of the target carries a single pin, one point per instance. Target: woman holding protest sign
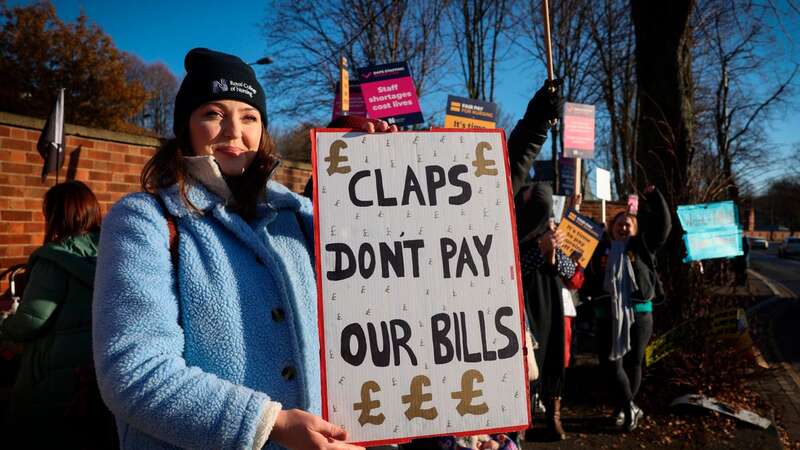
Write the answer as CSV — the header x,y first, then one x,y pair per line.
x,y
205,302
547,275
621,282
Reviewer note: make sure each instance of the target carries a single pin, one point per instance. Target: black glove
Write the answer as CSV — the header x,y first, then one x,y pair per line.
x,y
547,104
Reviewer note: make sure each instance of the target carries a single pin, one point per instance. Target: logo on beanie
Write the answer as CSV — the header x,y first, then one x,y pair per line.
x,y
242,88
239,87
220,85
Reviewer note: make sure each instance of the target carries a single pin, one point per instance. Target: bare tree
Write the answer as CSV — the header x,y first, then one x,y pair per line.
x,y
306,37
479,29
612,35
160,86
742,78
574,54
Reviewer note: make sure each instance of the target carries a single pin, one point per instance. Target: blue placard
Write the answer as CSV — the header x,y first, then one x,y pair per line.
x,y
712,230
719,243
707,216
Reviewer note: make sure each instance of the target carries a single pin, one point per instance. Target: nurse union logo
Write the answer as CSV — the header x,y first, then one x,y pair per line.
x,y
220,85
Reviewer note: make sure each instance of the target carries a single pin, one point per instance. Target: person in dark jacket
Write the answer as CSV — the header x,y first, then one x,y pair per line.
x,y
621,282
546,274
524,144
55,386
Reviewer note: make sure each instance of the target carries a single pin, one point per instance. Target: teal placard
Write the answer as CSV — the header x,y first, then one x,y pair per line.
x,y
706,216
712,230
725,242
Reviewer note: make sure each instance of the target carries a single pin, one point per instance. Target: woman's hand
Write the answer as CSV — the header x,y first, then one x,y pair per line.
x,y
297,429
373,125
548,243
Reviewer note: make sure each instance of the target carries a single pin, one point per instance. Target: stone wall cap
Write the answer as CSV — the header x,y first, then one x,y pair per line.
x,y
80,131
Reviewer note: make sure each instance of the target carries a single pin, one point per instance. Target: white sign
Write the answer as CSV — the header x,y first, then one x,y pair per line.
x,y
602,184
558,207
419,289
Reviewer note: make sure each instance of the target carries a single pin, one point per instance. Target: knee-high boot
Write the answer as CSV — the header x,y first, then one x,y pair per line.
x,y
553,417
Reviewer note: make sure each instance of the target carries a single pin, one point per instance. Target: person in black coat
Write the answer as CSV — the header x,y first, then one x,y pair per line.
x,y
524,144
544,271
621,282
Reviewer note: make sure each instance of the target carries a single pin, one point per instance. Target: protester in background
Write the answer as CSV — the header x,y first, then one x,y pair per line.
x,y
205,303
547,276
741,263
570,292
524,144
56,388
621,282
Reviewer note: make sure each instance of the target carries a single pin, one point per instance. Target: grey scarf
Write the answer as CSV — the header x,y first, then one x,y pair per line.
x,y
620,282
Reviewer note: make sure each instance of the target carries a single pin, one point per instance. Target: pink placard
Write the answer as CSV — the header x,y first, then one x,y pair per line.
x,y
633,203
388,98
578,131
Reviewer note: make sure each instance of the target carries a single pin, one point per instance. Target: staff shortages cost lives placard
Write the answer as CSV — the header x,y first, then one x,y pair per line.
x,y
419,292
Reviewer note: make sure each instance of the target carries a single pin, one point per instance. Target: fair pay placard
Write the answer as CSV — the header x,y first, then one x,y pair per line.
x,y
418,279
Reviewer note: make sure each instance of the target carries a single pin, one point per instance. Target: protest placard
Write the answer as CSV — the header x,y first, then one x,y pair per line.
x,y
357,107
469,113
602,189
578,131
389,94
419,286
712,230
633,203
566,176
559,201
602,184
723,242
581,236
705,216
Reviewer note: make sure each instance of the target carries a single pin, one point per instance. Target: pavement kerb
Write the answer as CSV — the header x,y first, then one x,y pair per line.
x,y
778,289
780,293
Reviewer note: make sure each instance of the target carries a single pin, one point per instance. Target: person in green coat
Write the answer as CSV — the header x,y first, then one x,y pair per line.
x,y
55,388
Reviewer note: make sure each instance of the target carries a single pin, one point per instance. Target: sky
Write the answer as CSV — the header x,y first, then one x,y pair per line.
x,y
163,31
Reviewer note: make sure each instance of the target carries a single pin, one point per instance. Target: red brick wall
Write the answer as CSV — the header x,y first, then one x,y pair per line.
x,y
593,209
110,163
293,175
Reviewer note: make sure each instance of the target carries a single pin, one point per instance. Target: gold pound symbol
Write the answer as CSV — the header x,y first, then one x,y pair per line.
x,y
335,159
416,398
482,165
467,394
368,404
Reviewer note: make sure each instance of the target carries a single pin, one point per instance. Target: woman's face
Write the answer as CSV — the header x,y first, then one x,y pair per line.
x,y
624,227
228,130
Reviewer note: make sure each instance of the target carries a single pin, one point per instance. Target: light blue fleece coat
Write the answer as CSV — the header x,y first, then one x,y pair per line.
x,y
191,363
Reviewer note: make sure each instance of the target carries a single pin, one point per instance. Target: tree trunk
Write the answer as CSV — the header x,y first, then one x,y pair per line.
x,y
664,77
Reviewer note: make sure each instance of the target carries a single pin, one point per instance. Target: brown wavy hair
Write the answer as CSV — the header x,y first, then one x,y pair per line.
x,y
623,215
70,209
167,167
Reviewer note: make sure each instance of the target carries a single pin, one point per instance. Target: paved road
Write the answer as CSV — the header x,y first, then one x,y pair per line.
x,y
785,315
783,270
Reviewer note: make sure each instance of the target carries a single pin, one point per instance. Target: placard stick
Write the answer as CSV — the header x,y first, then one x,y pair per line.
x,y
344,87
603,202
577,180
547,43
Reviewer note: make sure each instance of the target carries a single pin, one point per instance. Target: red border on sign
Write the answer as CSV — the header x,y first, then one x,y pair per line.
x,y
513,215
320,307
